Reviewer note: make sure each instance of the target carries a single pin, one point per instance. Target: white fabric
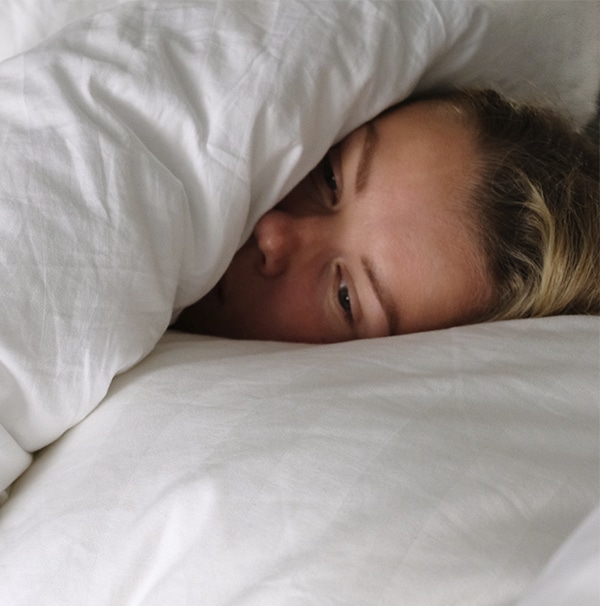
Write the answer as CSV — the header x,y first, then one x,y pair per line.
x,y
25,23
135,141
437,469
138,148
140,145
133,144
573,575
543,49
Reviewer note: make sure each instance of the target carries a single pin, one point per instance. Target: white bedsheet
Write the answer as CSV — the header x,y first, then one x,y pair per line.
x,y
442,469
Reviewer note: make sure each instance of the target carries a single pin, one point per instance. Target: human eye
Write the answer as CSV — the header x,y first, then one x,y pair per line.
x,y
343,298
329,179
329,174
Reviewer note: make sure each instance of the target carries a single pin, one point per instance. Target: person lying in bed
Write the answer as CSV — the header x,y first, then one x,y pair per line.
x,y
453,209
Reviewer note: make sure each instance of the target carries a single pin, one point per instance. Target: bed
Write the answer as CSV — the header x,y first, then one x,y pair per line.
x,y
139,465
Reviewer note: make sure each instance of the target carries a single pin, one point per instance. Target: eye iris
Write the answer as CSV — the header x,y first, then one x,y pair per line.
x,y
344,298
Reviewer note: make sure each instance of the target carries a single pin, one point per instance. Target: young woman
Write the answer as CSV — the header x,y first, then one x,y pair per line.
x,y
457,208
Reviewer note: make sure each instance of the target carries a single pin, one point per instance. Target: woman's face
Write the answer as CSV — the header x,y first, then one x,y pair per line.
x,y
373,242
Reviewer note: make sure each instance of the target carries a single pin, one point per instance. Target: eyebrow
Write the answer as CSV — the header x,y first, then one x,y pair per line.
x,y
366,157
384,297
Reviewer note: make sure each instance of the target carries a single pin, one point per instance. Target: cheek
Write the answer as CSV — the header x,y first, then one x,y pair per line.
x,y
287,308
290,311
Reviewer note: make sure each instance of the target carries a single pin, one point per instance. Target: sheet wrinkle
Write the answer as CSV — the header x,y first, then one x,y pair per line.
x,y
15,460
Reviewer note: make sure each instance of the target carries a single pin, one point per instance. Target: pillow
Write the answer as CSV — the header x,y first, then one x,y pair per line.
x,y
433,469
141,144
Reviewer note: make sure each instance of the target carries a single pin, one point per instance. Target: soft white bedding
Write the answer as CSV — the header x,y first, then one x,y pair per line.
x,y
572,576
141,144
138,149
436,469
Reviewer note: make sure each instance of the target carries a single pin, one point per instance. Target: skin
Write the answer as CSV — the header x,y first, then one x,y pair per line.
x,y
373,242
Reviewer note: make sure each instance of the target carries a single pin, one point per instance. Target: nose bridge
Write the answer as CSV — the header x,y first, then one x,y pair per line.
x,y
280,236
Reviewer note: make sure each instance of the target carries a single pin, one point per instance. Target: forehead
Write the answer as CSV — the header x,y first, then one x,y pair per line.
x,y
429,137
420,162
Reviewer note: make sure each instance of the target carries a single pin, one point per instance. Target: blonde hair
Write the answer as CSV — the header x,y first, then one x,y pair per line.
x,y
535,207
